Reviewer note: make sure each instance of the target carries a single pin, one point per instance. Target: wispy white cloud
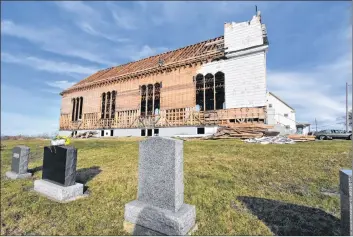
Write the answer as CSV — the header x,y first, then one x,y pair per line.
x,y
60,84
124,18
145,51
86,27
90,20
188,12
55,40
47,65
313,93
77,7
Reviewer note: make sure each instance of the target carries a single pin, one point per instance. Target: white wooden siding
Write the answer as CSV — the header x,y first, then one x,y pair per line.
x,y
276,114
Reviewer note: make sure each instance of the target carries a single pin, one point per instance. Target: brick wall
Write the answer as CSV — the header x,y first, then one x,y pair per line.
x,y
177,92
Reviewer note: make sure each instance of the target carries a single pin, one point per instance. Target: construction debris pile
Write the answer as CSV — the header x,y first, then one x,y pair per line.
x,y
86,134
301,138
256,133
271,140
243,131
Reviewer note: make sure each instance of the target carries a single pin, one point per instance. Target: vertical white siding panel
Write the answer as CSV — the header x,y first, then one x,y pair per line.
x,y
277,113
245,83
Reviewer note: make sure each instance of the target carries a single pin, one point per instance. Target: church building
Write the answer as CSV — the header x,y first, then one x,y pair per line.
x,y
188,91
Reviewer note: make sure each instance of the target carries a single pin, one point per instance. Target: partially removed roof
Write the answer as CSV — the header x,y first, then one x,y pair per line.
x,y
191,53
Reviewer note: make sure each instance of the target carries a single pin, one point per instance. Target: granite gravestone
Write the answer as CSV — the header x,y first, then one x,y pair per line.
x,y
346,202
59,165
59,174
19,165
159,208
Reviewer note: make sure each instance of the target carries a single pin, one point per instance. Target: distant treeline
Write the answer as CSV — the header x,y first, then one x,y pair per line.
x,y
27,137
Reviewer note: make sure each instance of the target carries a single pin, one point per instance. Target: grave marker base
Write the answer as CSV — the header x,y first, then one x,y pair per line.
x,y
138,230
144,219
58,192
13,175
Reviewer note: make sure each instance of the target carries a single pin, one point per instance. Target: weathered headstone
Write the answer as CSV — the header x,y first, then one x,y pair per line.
x,y
19,165
346,202
59,174
160,208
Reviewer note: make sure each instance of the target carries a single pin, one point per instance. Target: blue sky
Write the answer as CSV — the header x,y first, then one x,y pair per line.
x,y
48,46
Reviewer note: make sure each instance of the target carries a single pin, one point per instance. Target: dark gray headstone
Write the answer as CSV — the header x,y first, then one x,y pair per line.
x,y
59,165
161,173
346,202
20,157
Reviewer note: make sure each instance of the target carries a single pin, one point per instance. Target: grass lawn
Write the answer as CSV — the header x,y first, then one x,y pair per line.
x,y
237,188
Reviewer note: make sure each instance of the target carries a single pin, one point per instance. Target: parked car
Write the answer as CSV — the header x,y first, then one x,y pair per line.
x,y
333,134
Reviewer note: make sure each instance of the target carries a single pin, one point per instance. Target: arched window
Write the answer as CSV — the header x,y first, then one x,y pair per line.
x,y
149,99
77,104
199,91
143,100
107,110
81,102
157,98
113,104
209,92
76,109
103,106
73,109
219,87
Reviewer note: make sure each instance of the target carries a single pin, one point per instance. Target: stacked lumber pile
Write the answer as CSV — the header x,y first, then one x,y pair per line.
x,y
242,131
86,134
301,138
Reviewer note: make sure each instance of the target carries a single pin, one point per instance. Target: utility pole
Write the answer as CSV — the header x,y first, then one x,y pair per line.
x,y
316,124
346,106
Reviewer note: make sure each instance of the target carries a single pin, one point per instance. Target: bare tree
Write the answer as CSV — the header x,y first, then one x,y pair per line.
x,y
342,120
